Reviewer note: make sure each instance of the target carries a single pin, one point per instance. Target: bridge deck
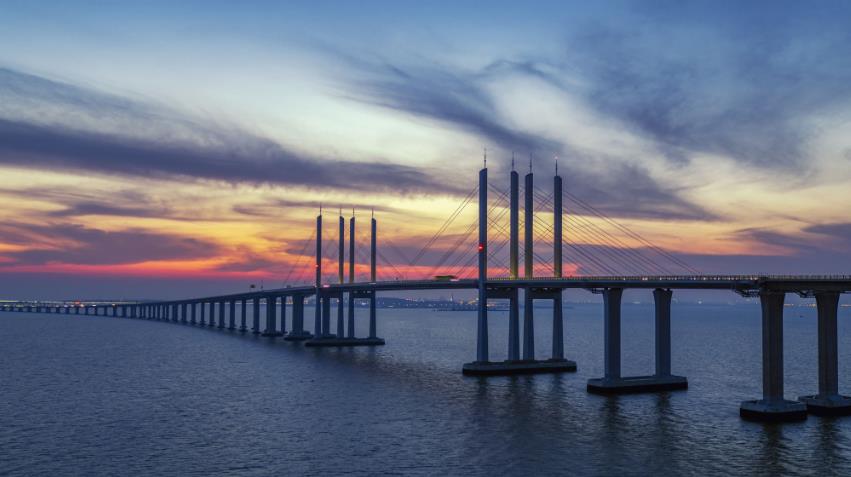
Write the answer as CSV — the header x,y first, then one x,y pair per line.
x,y
743,284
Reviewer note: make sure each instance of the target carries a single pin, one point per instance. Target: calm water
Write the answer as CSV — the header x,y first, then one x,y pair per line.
x,y
105,396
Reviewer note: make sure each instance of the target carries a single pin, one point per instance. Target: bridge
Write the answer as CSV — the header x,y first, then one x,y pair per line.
x,y
223,311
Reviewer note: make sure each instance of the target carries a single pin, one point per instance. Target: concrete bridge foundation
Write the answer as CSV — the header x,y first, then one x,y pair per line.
x,y
773,406
612,382
828,401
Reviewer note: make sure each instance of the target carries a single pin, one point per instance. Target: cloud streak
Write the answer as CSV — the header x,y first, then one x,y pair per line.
x,y
189,152
695,78
461,99
83,245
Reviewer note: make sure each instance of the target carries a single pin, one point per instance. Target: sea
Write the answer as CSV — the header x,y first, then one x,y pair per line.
x,y
92,395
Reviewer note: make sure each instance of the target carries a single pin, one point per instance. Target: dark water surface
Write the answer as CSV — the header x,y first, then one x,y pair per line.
x,y
105,396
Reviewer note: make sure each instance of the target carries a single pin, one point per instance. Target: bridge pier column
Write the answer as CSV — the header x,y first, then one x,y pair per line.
x,y
528,325
773,406
558,328
317,322
328,339
222,314
255,328
662,299
326,317
828,401
242,326
612,333
351,322
271,305
514,324
612,381
283,316
373,332
298,333
184,318
340,326
232,317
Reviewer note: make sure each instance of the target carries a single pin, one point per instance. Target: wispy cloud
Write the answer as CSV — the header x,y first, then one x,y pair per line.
x,y
743,83
461,99
77,244
162,144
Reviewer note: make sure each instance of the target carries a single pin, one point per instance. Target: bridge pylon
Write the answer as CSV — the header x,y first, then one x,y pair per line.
x,y
514,364
323,336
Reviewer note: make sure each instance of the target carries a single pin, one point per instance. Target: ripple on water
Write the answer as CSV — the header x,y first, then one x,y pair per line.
x,y
103,396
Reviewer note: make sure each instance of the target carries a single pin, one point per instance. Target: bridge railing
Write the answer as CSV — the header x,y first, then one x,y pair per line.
x,y
681,278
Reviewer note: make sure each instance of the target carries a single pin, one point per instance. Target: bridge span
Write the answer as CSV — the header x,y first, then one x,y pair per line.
x,y
222,312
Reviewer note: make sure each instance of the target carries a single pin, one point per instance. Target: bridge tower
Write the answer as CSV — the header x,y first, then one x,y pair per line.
x,y
528,364
345,335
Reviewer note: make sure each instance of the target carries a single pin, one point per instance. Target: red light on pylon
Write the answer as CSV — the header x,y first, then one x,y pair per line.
x,y
481,247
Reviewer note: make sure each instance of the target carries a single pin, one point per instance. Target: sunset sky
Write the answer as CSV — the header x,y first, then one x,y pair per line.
x,y
165,149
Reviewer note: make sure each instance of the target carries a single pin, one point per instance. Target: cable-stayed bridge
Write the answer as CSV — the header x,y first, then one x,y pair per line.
x,y
484,254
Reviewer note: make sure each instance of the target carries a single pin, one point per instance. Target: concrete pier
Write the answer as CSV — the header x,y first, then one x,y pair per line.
x,y
255,310
298,333
773,406
212,322
271,308
283,327
828,401
612,382
326,317
514,325
232,317
334,342
244,307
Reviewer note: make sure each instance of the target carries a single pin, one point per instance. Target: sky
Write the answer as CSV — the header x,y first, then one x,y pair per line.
x,y
172,149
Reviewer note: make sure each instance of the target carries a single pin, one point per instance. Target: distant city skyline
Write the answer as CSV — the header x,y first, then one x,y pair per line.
x,y
171,149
